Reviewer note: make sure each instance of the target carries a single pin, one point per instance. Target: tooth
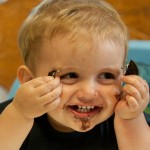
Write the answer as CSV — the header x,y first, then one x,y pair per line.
x,y
82,110
83,107
92,107
88,107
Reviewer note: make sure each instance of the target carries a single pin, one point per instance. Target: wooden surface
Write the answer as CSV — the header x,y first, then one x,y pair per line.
x,y
12,14
135,13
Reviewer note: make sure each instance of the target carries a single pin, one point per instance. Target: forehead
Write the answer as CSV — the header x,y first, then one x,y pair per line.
x,y
72,49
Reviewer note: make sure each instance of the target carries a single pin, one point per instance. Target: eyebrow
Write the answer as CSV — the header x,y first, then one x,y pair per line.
x,y
55,72
112,69
66,69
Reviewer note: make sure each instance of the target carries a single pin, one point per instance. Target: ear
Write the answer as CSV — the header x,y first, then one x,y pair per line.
x,y
24,74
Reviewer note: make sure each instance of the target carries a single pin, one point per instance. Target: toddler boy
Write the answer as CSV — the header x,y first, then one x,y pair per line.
x,y
71,95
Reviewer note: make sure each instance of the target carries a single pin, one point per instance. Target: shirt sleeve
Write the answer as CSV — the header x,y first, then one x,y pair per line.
x,y
3,105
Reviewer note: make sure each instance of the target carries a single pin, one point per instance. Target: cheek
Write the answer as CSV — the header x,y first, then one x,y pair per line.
x,y
110,93
67,93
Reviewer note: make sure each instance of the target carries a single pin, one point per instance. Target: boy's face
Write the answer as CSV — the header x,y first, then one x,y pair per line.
x,y
90,74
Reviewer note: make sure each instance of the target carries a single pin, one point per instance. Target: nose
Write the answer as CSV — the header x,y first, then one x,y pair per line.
x,y
88,92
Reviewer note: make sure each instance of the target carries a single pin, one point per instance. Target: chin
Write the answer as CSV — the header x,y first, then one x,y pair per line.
x,y
82,124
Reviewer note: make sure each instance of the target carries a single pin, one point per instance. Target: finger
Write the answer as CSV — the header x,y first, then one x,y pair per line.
x,y
39,81
132,91
139,83
133,78
143,82
47,87
52,105
49,106
132,103
51,96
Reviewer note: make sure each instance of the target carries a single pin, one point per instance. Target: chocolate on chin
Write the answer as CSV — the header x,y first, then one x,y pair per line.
x,y
132,69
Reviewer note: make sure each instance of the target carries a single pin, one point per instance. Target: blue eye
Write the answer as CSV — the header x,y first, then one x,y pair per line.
x,y
69,78
106,75
71,75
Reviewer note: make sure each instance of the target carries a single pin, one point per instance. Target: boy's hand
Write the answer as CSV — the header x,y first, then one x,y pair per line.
x,y
134,99
38,96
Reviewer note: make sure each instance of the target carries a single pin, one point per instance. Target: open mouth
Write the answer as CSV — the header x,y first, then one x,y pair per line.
x,y
84,111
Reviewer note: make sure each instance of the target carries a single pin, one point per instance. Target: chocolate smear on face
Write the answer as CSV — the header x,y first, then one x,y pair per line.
x,y
85,123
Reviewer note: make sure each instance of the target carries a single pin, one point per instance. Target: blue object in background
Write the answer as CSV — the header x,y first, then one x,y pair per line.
x,y
139,51
13,89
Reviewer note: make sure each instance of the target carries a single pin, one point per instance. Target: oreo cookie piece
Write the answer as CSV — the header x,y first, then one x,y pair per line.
x,y
132,69
53,73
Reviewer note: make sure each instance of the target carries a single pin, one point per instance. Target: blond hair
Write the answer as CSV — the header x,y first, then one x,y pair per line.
x,y
53,17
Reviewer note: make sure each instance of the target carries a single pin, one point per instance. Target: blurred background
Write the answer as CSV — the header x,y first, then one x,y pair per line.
x,y
135,13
